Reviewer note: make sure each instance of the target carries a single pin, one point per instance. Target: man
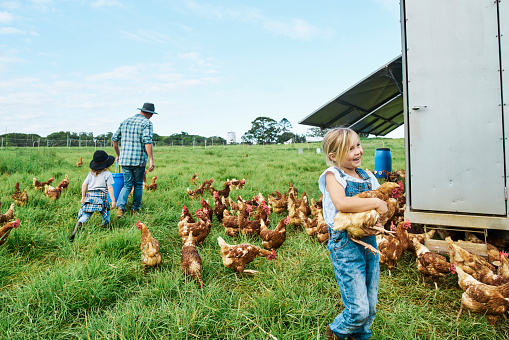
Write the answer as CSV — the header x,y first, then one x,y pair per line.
x,y
135,134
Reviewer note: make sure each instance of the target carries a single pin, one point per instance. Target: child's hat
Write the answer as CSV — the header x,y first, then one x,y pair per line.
x,y
101,160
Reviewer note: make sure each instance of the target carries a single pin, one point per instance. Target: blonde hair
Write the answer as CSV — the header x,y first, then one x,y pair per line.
x,y
97,172
338,142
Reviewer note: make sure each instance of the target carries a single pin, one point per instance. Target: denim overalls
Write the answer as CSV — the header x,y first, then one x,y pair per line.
x,y
356,270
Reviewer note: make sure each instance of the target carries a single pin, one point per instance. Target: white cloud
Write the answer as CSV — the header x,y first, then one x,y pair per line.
x,y
296,29
10,5
6,18
293,28
11,30
106,3
119,73
149,37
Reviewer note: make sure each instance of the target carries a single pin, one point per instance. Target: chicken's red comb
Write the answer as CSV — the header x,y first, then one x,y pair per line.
x,y
401,185
138,224
502,253
272,255
287,220
452,268
16,223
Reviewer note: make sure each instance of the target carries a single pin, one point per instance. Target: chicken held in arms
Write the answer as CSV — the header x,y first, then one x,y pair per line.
x,y
366,223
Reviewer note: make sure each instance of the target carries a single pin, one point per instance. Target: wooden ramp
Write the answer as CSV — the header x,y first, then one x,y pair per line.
x,y
441,247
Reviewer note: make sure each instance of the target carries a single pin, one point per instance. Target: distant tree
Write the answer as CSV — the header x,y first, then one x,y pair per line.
x,y
284,125
246,140
263,130
316,132
285,136
299,139
105,136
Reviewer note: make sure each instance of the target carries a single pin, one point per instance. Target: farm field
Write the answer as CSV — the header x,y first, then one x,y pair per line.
x,y
97,288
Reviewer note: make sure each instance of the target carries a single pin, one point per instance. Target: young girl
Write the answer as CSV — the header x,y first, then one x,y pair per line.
x,y
355,267
99,182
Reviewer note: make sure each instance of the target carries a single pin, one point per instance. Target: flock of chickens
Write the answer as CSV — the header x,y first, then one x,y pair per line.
x,y
485,282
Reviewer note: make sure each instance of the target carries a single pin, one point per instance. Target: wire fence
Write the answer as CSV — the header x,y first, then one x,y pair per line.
x,y
45,142
7,142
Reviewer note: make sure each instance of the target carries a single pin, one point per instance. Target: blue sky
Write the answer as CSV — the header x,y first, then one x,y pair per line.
x,y
209,67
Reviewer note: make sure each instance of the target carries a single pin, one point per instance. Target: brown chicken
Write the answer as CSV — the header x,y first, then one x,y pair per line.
x,y
474,265
150,254
193,179
64,183
206,206
200,190
9,214
40,185
393,247
80,162
292,189
273,239
278,202
246,226
152,186
420,238
200,228
219,206
237,184
432,264
185,217
51,192
190,260
491,301
224,192
236,257
21,198
6,229
503,268
230,223
362,224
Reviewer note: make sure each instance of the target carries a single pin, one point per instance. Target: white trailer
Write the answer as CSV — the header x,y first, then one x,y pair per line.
x,y
455,86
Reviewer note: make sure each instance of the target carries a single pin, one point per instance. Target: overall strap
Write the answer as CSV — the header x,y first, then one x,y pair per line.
x,y
354,188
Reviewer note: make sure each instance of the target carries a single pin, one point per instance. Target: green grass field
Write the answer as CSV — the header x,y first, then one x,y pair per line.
x,y
97,288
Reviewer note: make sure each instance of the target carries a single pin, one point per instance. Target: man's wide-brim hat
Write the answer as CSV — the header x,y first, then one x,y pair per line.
x,y
101,160
148,107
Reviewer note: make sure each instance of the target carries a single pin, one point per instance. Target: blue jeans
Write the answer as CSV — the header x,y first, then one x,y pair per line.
x,y
86,215
133,178
356,270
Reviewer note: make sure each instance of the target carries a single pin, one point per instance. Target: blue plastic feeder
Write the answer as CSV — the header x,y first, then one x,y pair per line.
x,y
118,177
383,161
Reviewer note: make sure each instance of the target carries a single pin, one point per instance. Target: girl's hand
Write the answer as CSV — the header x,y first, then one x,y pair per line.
x,y
82,200
112,205
382,206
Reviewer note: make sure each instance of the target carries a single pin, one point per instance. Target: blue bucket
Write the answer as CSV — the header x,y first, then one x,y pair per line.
x,y
383,161
119,183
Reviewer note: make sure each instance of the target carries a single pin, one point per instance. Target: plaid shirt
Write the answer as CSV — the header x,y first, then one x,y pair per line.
x,y
134,132
96,200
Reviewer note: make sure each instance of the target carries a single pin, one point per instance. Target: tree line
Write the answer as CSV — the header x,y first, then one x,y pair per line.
x,y
264,130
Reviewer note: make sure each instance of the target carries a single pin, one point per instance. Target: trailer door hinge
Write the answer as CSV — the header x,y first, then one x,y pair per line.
x,y
505,189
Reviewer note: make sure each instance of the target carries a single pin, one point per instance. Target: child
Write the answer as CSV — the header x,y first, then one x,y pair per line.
x,y
99,182
355,267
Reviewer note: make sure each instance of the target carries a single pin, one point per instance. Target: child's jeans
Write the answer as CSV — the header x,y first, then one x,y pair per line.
x,y
356,270
86,215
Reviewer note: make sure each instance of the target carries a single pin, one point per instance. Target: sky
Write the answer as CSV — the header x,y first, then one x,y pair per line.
x,y
210,67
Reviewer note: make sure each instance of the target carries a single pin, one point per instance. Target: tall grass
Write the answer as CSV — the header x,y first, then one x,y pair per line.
x,y
97,288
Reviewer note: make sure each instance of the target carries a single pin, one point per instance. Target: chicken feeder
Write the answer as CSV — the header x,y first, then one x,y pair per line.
x,y
383,161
